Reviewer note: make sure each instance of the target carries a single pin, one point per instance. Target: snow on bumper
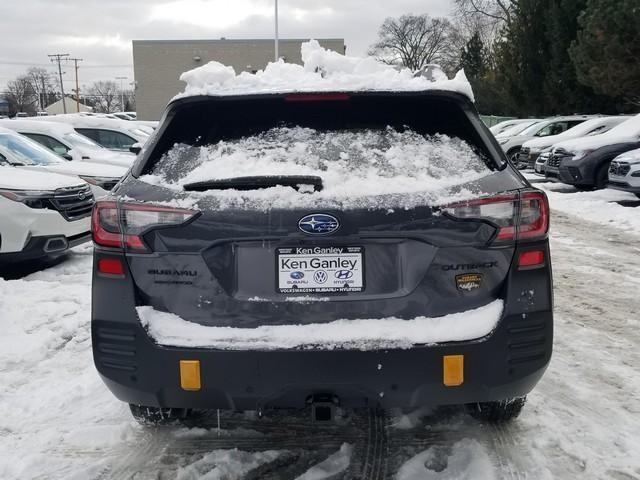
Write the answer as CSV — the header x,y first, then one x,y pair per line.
x,y
371,334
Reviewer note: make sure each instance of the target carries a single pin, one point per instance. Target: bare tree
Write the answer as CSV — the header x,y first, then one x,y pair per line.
x,y
104,95
494,11
21,96
413,41
42,84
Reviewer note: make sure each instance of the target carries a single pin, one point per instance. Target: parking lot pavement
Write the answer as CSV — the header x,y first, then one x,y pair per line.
x,y
580,422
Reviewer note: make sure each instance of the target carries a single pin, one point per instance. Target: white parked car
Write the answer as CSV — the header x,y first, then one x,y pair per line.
x,y
63,140
114,134
511,145
516,129
41,213
531,149
624,172
498,128
584,162
19,151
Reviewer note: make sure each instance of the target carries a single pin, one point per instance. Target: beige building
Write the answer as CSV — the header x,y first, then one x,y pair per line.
x,y
157,64
72,107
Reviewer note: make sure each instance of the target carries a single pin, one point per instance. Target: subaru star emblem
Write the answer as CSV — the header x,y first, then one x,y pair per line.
x,y
318,224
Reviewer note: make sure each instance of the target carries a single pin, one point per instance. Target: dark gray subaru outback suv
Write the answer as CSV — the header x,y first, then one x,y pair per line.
x,y
219,284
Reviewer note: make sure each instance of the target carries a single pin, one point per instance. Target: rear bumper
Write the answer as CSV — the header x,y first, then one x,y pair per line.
x,y
507,363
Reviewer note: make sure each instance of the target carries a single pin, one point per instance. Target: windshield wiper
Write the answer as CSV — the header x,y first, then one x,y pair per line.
x,y
302,183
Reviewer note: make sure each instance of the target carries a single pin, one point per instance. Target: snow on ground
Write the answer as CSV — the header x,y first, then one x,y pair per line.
x,y
468,460
322,70
599,206
58,421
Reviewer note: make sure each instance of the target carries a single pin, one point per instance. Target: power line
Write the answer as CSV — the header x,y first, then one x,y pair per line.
x,y
58,58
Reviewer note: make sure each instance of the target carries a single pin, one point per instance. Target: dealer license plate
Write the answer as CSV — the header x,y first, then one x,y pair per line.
x,y
320,269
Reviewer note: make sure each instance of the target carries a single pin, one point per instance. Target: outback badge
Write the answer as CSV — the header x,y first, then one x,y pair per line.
x,y
468,281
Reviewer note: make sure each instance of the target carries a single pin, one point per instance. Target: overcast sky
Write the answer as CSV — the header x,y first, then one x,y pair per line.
x,y
100,31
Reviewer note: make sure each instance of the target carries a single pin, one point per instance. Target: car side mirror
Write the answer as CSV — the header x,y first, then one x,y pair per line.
x,y
136,148
66,156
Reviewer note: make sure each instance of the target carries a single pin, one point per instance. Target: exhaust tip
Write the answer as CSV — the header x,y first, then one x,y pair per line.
x,y
57,244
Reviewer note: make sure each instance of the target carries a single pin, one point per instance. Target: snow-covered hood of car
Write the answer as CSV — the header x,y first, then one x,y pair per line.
x,y
632,156
102,156
82,168
592,143
544,142
22,179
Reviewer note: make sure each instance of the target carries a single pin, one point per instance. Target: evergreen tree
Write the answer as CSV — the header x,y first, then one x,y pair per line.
x,y
563,93
524,57
473,58
606,52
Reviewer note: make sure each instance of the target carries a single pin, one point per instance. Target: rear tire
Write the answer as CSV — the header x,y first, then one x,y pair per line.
x,y
501,411
151,416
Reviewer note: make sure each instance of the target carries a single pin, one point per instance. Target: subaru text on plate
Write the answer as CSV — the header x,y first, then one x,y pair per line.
x,y
323,249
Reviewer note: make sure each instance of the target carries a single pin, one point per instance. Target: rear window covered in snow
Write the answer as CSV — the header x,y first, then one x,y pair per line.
x,y
377,146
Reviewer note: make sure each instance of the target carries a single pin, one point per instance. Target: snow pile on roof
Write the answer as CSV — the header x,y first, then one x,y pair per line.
x,y
367,334
323,70
359,169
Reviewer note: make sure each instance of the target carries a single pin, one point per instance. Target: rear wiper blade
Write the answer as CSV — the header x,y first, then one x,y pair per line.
x,y
303,183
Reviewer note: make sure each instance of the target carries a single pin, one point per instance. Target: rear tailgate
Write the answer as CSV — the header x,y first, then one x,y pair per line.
x,y
239,268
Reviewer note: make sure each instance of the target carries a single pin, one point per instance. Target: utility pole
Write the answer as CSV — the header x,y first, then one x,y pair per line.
x,y
121,92
276,37
75,64
57,57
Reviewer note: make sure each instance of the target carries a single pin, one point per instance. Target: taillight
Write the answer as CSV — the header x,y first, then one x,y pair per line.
x,y
517,216
534,215
121,225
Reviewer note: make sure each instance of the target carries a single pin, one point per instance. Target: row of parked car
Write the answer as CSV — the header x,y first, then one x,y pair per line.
x,y
51,171
588,152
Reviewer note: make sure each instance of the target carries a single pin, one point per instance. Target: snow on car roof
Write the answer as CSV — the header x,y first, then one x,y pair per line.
x,y
579,130
322,71
625,132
